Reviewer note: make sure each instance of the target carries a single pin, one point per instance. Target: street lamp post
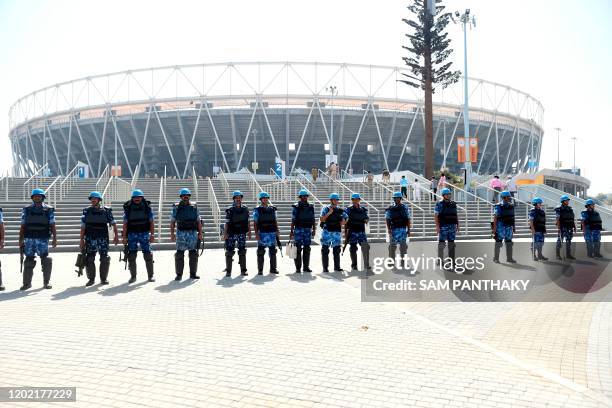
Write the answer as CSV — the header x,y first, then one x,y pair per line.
x,y
574,165
558,163
466,19
333,90
255,149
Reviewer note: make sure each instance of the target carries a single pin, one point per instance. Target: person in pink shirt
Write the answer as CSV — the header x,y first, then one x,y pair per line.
x,y
497,185
441,181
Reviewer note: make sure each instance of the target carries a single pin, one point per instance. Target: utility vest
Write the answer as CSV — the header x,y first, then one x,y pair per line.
x,y
138,216
448,213
506,214
239,219
566,216
266,218
593,220
305,217
333,223
539,220
357,218
37,221
398,216
186,216
96,222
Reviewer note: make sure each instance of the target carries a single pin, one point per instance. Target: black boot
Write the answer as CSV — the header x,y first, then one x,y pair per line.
x,y
540,256
365,253
336,252
104,267
589,248
1,286
441,246
392,249
568,250
272,254
148,258
90,269
325,258
46,264
132,266
229,256
179,264
306,258
558,251
403,250
509,247
353,253
496,250
261,251
451,253
596,250
298,258
193,264
28,271
242,261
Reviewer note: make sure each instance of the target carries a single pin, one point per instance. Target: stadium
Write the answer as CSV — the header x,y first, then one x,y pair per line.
x,y
176,119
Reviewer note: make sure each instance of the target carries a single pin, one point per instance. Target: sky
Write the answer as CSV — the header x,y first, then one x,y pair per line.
x,y
558,51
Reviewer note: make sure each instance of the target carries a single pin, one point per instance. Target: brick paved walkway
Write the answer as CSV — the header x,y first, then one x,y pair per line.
x,y
292,341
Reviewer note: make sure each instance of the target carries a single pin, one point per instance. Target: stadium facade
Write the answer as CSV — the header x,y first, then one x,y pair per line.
x,y
232,114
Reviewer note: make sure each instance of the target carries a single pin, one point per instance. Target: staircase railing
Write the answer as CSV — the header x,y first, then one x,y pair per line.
x,y
160,206
490,194
33,182
480,202
106,194
214,207
53,193
135,176
279,190
105,176
4,183
224,183
196,190
69,181
253,184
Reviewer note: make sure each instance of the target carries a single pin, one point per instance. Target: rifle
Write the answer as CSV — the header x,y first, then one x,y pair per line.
x,y
125,256
21,258
346,240
200,244
80,262
279,245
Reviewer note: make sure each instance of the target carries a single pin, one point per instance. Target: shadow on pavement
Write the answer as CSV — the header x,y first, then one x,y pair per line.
x,y
304,277
519,266
73,291
228,282
174,285
16,294
123,288
261,279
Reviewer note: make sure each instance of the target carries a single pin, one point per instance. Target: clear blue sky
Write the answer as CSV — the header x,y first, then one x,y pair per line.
x,y
557,50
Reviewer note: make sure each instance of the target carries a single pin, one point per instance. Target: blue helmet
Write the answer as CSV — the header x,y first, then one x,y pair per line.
x,y
355,196
397,194
184,191
505,194
334,196
536,200
95,194
263,194
589,202
237,193
563,198
303,192
137,193
445,191
38,191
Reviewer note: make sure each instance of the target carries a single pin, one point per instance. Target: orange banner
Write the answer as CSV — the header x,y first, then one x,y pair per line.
x,y
461,150
473,149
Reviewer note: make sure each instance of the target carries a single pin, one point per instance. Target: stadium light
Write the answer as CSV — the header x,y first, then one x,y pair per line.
x,y
333,90
558,163
574,165
466,19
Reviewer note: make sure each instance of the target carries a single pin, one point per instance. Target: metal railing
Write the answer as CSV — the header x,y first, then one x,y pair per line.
x,y
196,190
53,193
253,184
135,176
33,182
224,183
280,190
490,194
105,176
4,182
214,207
160,206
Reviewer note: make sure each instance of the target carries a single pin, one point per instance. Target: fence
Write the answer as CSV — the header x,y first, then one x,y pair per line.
x,y
214,207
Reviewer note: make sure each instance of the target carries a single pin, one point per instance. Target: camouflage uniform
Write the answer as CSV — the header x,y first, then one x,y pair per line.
x,y
331,236
565,215
397,217
237,221
186,237
95,222
36,240
504,211
302,233
446,214
139,235
536,216
357,218
592,231
267,236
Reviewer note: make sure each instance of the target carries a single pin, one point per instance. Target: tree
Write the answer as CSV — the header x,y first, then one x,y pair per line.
x,y
428,59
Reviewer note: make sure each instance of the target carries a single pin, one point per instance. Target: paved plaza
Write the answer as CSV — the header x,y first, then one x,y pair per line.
x,y
291,340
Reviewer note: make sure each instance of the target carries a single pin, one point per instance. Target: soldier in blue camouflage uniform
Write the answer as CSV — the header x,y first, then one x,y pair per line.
x,y
186,217
566,226
357,218
237,227
447,225
303,228
94,237
1,245
138,230
591,228
537,224
37,224
332,220
266,232
503,226
398,219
